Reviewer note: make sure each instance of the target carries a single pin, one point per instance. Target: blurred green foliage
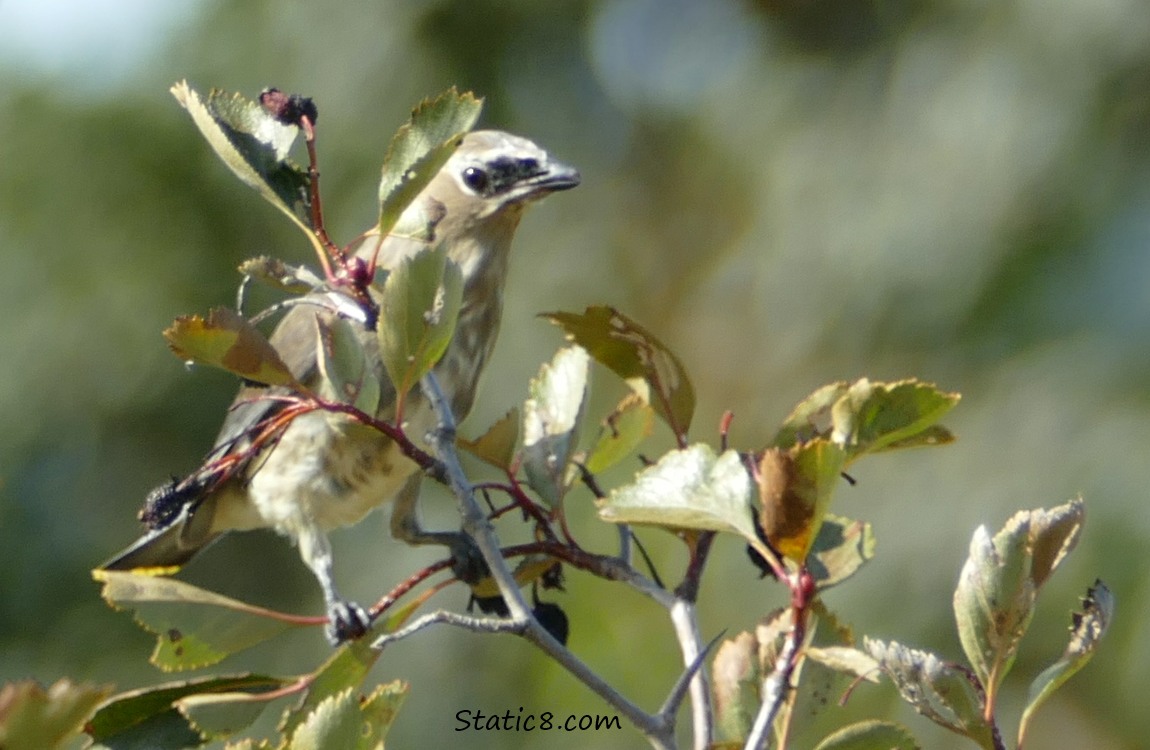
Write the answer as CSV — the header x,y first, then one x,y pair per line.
x,y
786,192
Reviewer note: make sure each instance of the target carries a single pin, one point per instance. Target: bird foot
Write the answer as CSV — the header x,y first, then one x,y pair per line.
x,y
346,621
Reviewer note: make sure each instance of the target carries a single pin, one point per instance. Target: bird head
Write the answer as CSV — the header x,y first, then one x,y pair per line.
x,y
490,178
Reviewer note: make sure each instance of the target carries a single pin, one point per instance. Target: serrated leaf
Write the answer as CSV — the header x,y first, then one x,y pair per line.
x,y
344,372
872,417
870,735
996,592
344,670
32,717
841,547
419,307
194,627
497,445
420,148
379,711
335,722
845,660
551,417
250,744
690,488
218,715
811,417
148,717
1086,632
228,341
636,355
994,601
795,491
868,417
1053,534
939,690
629,424
736,677
254,145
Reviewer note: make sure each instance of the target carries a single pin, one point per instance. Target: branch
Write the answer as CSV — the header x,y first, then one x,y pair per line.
x,y
777,683
658,728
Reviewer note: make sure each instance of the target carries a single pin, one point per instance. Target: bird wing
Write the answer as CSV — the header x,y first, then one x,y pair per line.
x,y
295,341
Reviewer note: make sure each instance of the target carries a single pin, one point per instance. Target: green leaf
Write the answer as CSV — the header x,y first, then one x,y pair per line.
x,y
254,145
149,717
344,373
551,417
418,311
32,717
868,417
811,417
218,715
379,710
628,425
344,670
841,547
736,677
996,592
941,691
194,627
690,488
845,660
872,417
1087,629
497,445
994,601
335,722
229,342
634,354
420,148
870,735
795,490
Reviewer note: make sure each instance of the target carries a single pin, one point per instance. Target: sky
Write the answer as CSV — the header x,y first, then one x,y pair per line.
x,y
97,42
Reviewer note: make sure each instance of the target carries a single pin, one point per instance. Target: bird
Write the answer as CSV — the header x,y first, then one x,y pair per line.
x,y
326,470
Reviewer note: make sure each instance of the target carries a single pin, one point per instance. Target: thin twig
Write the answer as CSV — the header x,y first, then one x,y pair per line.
x,y
778,682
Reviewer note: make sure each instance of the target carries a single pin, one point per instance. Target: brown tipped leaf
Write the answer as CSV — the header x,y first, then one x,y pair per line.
x,y
228,341
636,355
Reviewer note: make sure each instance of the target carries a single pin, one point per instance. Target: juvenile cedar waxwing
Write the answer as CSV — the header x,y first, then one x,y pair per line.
x,y
325,470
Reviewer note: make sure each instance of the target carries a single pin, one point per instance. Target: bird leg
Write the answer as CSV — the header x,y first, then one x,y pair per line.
x,y
467,561
346,620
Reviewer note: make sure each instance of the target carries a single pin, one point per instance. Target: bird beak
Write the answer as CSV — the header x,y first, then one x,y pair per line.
x,y
557,176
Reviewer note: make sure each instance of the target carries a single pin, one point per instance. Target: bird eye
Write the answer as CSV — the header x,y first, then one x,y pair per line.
x,y
476,179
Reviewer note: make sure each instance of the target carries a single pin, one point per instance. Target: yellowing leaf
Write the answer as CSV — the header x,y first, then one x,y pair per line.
x,y
497,445
32,717
795,490
636,355
193,627
628,425
229,342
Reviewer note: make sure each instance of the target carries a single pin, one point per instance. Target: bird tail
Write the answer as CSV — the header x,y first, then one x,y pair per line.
x,y
164,550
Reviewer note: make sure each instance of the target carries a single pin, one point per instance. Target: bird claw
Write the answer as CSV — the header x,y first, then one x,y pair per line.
x,y
346,621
